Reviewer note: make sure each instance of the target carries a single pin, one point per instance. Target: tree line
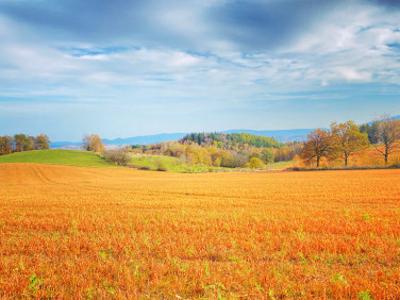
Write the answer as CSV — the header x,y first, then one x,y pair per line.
x,y
229,140
343,140
340,142
224,150
22,142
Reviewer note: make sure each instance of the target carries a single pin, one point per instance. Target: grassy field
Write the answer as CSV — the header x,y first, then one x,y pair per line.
x,y
90,159
168,163
58,157
173,164
97,233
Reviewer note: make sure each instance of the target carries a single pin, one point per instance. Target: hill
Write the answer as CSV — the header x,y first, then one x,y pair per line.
x,y
280,135
56,157
145,139
283,136
230,140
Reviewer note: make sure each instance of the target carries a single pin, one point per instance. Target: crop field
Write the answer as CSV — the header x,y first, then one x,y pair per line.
x,y
104,233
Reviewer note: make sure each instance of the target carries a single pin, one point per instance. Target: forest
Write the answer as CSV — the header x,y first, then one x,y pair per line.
x,y
335,146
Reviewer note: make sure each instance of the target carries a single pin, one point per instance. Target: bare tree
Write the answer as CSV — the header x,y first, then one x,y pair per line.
x,y
317,146
387,134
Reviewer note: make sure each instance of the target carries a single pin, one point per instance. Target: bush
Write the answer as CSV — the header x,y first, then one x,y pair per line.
x,y
119,157
161,166
255,163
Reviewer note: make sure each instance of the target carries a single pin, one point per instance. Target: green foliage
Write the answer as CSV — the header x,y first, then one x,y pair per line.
x,y
267,155
365,295
230,141
255,163
168,163
184,157
339,279
35,283
56,157
347,139
371,129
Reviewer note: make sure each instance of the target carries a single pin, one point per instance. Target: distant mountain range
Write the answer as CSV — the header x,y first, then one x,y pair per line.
x,y
283,136
280,135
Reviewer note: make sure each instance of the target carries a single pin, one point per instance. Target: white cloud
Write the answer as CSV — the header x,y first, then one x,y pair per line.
x,y
349,45
353,75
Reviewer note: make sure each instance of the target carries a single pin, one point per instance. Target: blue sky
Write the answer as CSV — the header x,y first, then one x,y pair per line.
x,y
122,68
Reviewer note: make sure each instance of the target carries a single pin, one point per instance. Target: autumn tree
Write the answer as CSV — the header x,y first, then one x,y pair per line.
x,y
317,146
93,143
267,155
6,144
23,142
387,134
42,142
347,139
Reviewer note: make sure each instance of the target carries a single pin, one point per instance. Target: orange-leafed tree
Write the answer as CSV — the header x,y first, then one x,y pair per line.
x,y
319,144
347,139
93,143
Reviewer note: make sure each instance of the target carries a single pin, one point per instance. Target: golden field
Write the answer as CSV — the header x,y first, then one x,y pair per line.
x,y
93,233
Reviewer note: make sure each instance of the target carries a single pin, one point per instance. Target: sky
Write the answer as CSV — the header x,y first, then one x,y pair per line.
x,y
123,68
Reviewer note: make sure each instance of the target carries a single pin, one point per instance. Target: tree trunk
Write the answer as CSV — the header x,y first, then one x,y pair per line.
x,y
386,155
346,160
318,159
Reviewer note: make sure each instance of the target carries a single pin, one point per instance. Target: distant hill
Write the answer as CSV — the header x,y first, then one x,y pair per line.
x,y
280,135
397,117
66,145
145,139
230,140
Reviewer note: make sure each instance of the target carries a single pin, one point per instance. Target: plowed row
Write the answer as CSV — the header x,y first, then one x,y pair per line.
x,y
83,233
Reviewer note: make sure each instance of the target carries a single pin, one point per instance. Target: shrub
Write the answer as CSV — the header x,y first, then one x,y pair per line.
x,y
119,157
255,163
161,166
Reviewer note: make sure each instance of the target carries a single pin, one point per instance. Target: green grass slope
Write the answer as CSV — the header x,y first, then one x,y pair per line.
x,y
168,163
57,157
173,164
